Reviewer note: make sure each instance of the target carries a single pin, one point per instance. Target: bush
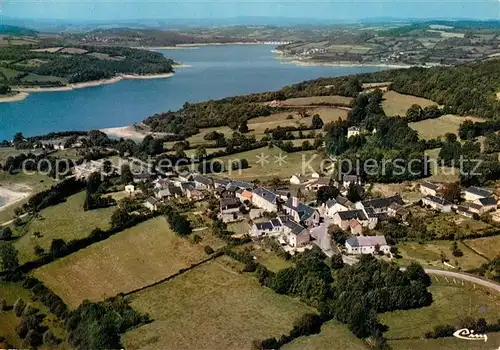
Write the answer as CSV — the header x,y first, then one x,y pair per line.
x,y
50,340
196,239
3,305
19,306
5,234
208,250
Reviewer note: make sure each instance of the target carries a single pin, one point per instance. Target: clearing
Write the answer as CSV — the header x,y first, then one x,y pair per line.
x,y
440,173
211,307
452,301
397,104
66,220
136,257
433,128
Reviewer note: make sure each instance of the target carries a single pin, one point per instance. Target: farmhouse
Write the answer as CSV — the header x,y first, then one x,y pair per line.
x,y
299,179
367,245
473,193
429,189
151,203
343,218
437,203
398,211
129,189
333,206
244,195
265,199
487,204
379,205
295,235
202,182
194,194
241,185
317,184
229,209
272,228
301,212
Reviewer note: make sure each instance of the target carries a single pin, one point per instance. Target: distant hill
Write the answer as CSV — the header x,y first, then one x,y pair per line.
x,y
15,30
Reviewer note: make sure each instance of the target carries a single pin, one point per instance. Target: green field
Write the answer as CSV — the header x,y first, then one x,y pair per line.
x,y
271,168
211,307
67,220
333,336
131,259
450,343
397,104
430,255
451,302
488,246
8,320
433,128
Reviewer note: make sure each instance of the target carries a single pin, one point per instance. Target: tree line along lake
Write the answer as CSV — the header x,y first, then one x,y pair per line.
x,y
213,72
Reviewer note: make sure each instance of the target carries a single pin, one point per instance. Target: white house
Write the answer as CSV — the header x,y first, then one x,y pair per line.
x,y
367,245
347,180
229,209
429,189
264,199
202,183
295,235
318,183
487,204
151,203
343,218
299,179
473,193
353,131
129,189
379,205
333,206
272,227
438,203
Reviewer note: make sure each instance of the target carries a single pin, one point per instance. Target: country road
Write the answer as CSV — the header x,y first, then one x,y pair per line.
x,y
465,277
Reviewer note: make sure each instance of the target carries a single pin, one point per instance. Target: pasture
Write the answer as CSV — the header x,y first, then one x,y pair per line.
x,y
334,335
211,307
397,104
488,246
264,163
67,220
317,100
433,128
451,302
136,257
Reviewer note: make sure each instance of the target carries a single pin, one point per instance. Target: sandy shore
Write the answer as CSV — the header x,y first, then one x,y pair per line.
x,y
24,92
127,132
14,98
11,197
341,64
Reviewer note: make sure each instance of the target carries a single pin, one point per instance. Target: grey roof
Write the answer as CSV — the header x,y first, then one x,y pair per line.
x,y
304,211
430,185
366,241
475,206
222,182
283,193
241,184
229,202
438,200
487,201
382,202
352,214
187,185
350,178
343,201
478,191
294,227
202,179
232,188
264,225
276,222
152,201
266,194
330,203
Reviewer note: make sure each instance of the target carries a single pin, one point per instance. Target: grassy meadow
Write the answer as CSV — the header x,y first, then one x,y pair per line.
x,y
131,259
433,128
211,307
67,220
488,246
397,104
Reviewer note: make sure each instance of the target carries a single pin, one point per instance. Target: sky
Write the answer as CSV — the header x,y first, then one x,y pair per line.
x,y
217,9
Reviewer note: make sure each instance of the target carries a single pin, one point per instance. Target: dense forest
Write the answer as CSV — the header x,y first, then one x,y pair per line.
x,y
6,29
85,64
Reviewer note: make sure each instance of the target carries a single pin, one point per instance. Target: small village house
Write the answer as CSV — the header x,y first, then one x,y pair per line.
x,y
487,204
353,131
151,203
295,235
473,193
367,245
194,194
202,182
429,189
301,212
229,209
356,228
437,203
265,199
379,205
244,195
129,189
318,183
299,179
343,218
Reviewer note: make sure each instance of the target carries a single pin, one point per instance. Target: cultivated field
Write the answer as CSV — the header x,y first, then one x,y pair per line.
x,y
397,104
488,246
451,302
67,220
433,128
131,259
333,335
271,167
211,307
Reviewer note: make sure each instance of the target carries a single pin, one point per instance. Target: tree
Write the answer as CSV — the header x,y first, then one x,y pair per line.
x,y
337,261
4,89
243,128
8,257
200,152
317,122
414,113
126,176
325,193
452,192
5,234
363,321
57,247
455,250
415,272
354,192
19,306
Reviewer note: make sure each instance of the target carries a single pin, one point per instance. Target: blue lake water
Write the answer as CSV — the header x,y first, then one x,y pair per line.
x,y
216,72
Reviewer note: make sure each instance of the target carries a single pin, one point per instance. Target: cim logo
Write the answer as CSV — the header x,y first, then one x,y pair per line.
x,y
467,334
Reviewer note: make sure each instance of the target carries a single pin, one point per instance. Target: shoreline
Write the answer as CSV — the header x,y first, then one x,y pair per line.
x,y
18,96
303,63
132,132
194,46
23,93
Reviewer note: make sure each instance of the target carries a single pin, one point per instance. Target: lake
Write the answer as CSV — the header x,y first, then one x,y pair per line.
x,y
215,72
